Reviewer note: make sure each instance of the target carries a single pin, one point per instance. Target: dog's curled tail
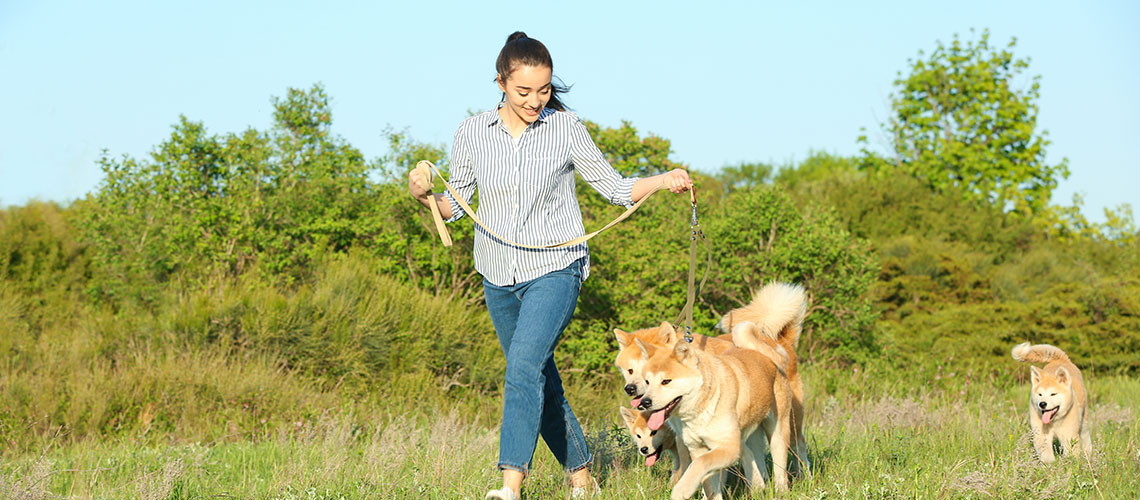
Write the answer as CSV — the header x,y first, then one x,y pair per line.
x,y
784,306
1040,353
747,335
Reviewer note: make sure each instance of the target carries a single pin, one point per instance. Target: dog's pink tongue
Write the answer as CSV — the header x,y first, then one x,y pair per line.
x,y
650,460
656,420
635,402
1047,416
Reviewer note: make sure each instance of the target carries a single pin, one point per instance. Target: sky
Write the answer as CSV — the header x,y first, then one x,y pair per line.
x,y
725,82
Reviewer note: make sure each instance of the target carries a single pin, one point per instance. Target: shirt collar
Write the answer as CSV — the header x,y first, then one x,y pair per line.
x,y
494,115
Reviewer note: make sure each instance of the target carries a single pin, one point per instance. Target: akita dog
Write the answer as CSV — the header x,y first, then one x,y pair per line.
x,y
778,310
720,401
652,443
1058,402
630,360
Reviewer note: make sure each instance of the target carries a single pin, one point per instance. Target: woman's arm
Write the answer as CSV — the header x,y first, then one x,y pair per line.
x,y
462,180
677,180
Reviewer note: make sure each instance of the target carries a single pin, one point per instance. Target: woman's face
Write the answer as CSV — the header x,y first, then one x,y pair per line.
x,y
528,90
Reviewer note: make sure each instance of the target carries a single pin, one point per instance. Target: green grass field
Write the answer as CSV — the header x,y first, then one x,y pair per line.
x,y
963,440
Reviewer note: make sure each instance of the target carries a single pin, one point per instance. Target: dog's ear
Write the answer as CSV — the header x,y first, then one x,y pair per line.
x,y
1034,375
646,349
622,337
666,334
724,322
682,350
627,415
1064,377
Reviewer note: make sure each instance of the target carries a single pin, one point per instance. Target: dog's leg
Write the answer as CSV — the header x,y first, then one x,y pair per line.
x,y
800,460
683,456
713,485
752,461
1067,443
704,463
1086,440
677,470
1042,443
779,448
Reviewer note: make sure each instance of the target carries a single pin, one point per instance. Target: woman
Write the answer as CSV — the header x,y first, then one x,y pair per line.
x,y
522,158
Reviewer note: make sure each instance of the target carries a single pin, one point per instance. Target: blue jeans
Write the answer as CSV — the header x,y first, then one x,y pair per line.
x,y
529,318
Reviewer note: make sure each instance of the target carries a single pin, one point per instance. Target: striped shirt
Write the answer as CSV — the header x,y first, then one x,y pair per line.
x,y
526,191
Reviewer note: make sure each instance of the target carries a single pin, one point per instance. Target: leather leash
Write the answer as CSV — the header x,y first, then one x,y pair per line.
x,y
426,168
694,233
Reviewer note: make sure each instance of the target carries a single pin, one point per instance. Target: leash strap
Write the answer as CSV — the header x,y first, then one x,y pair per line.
x,y
694,233
426,168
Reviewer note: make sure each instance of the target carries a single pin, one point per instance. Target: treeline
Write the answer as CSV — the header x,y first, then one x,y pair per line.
x,y
287,250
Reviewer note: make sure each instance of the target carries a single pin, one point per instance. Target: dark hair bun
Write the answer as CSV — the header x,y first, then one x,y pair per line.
x,y
515,36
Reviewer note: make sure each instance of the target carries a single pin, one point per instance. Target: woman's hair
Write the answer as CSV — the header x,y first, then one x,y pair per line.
x,y
523,50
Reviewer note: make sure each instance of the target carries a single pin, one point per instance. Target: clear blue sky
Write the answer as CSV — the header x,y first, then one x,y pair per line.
x,y
725,82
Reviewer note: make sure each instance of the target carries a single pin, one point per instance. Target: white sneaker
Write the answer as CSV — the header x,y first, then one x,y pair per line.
x,y
579,493
503,493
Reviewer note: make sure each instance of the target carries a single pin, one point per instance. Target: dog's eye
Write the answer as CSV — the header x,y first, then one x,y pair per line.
x,y
666,381
1054,394
631,371
653,433
639,436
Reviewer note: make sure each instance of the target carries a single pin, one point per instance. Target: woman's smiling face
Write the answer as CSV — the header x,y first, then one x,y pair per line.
x,y
528,89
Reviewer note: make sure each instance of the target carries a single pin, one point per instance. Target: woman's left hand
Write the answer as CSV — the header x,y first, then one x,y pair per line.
x,y
677,180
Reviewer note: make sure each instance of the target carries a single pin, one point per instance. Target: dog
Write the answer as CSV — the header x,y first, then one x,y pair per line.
x,y
720,401
652,444
1058,401
779,309
630,361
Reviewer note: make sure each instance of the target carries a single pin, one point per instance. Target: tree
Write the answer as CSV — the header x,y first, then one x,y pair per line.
x,y
745,175
205,205
960,119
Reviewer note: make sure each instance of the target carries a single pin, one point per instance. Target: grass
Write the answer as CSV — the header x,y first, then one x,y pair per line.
x,y
968,442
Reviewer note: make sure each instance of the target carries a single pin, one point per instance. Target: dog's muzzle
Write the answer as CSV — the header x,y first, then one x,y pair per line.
x,y
1042,404
646,404
630,389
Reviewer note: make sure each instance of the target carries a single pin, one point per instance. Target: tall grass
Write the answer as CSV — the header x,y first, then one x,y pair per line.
x,y
936,445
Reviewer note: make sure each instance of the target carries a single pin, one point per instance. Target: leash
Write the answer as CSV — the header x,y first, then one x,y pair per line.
x,y
694,233
426,168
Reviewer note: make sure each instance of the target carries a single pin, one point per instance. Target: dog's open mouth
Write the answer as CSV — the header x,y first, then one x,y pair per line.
x,y
651,458
636,400
1047,415
658,418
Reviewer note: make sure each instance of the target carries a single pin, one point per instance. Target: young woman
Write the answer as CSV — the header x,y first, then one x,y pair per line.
x,y
522,158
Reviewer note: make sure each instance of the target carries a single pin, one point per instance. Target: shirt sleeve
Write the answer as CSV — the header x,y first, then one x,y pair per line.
x,y
462,174
595,170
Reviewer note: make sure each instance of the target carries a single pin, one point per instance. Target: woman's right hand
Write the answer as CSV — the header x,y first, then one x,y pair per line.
x,y
418,186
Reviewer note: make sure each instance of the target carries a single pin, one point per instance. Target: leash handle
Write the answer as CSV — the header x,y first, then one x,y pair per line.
x,y
425,172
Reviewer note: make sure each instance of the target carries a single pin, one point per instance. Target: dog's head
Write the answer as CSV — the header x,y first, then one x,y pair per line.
x,y
670,373
1052,393
649,442
630,360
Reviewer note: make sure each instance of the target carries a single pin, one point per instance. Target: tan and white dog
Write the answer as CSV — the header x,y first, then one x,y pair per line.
x,y
1058,402
720,401
652,443
778,310
630,361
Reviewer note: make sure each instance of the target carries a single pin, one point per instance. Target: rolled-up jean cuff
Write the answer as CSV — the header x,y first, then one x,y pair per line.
x,y
516,468
589,460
